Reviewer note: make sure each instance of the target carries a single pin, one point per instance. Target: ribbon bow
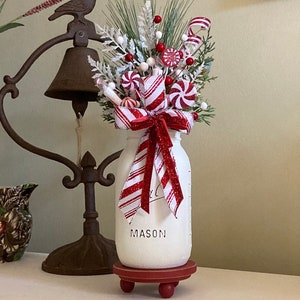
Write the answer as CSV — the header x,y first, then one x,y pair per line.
x,y
154,149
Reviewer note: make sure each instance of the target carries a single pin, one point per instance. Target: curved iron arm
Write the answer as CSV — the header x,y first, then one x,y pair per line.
x,y
67,181
80,32
110,178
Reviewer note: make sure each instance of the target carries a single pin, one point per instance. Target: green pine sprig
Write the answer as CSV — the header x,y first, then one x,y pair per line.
x,y
204,116
123,15
204,59
173,14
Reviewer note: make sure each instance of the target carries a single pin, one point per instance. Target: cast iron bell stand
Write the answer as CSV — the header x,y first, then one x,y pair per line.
x,y
92,254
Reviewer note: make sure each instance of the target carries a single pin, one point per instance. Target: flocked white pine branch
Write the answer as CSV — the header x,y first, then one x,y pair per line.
x,y
147,28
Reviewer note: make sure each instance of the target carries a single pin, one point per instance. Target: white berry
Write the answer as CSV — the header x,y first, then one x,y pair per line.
x,y
120,40
111,85
158,34
144,66
184,37
204,106
151,61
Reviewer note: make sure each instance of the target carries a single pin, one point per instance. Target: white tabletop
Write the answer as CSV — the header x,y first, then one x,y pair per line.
x,y
24,280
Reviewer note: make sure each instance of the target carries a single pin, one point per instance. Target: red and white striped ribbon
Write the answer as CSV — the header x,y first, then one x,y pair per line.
x,y
130,198
125,115
153,153
152,93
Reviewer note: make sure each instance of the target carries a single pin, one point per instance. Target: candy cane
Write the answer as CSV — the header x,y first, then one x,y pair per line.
x,y
203,23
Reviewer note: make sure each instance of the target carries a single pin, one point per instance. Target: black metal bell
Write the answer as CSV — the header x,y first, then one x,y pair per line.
x,y
73,80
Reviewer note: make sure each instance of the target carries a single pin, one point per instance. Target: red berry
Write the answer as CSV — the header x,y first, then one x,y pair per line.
x,y
129,57
160,47
195,116
168,80
180,53
189,61
157,19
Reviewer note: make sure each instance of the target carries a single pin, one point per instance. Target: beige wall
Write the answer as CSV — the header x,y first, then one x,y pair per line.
x,y
246,165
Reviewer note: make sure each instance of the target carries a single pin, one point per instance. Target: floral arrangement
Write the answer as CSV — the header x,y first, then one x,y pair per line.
x,y
151,77
143,45
13,23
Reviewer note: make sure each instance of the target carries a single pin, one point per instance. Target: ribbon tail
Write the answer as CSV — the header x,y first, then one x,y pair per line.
x,y
170,183
130,198
145,203
166,170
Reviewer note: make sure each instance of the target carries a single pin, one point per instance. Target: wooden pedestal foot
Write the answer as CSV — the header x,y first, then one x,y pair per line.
x,y
168,279
166,290
126,286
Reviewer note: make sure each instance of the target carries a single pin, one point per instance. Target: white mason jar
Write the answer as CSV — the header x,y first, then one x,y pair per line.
x,y
159,239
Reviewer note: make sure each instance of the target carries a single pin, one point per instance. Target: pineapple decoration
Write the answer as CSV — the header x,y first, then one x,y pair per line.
x,y
15,221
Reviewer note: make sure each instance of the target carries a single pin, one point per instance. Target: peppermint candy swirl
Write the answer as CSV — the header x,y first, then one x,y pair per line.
x,y
182,94
129,102
130,80
170,57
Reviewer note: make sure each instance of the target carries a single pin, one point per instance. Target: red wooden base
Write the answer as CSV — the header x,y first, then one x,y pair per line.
x,y
168,279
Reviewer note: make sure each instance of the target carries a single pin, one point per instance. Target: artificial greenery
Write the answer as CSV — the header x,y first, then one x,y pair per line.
x,y
133,25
